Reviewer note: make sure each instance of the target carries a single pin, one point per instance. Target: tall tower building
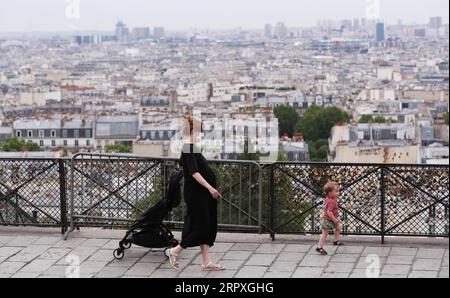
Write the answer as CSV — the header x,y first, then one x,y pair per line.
x,y
356,24
281,30
158,32
380,37
141,33
436,22
122,32
268,31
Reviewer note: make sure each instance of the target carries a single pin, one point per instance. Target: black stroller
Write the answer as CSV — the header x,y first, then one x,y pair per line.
x,y
148,229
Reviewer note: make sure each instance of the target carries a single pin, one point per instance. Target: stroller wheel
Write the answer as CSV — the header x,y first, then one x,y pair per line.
x,y
118,254
166,252
127,245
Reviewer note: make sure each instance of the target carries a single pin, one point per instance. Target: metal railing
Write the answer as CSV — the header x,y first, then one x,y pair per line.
x,y
33,192
111,191
384,200
98,190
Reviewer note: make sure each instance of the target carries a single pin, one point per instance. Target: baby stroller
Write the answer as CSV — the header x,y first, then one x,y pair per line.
x,y
148,229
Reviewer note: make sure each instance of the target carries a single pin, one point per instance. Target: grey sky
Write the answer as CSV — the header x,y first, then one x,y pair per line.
x,y
50,15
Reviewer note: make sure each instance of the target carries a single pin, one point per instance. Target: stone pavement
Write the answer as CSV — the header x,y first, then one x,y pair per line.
x,y
36,252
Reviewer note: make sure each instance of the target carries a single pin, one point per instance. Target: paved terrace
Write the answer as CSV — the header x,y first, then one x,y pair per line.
x,y
37,252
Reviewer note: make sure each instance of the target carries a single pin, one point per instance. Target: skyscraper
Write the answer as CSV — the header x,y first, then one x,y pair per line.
x,y
141,33
268,31
122,32
158,32
281,30
356,24
346,25
380,32
363,23
436,22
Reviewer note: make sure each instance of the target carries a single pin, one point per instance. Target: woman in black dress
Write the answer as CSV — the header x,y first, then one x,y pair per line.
x,y
200,195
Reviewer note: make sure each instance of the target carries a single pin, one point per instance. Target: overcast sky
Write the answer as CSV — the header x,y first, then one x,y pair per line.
x,y
51,15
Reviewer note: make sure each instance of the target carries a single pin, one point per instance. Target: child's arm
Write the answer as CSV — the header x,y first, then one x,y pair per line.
x,y
333,218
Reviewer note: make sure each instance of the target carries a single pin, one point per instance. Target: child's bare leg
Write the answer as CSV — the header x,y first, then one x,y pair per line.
x,y
337,234
323,237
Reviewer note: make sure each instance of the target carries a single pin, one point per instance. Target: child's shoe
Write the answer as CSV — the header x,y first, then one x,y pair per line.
x,y
321,251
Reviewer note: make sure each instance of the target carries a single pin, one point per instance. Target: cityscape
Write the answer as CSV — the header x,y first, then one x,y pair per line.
x,y
126,91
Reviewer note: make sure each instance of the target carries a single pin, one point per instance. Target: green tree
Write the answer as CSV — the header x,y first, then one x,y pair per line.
x,y
365,119
380,119
318,150
317,122
312,150
118,148
287,118
16,145
446,118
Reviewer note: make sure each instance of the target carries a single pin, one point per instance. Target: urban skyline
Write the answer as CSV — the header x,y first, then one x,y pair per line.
x,y
80,15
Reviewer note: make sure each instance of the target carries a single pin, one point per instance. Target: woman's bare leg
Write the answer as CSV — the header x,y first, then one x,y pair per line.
x,y
205,254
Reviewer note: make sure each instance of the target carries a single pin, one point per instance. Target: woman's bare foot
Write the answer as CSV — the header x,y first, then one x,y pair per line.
x,y
213,267
173,258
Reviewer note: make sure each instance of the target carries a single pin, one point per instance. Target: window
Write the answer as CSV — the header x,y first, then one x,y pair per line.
x,y
18,134
76,143
41,143
76,133
64,133
88,133
53,143
65,143
30,133
88,143
53,133
41,133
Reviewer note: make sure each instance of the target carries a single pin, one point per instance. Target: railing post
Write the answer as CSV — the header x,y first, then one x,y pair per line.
x,y
62,195
272,202
260,200
383,201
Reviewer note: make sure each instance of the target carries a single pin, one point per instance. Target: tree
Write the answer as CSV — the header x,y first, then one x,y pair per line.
x,y
16,145
118,148
446,118
365,119
317,122
287,118
380,119
318,150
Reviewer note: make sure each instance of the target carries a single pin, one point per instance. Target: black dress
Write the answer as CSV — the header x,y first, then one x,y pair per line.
x,y
200,223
